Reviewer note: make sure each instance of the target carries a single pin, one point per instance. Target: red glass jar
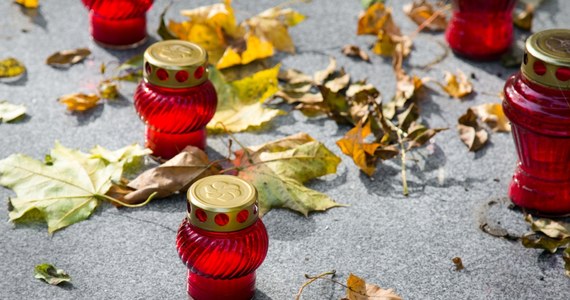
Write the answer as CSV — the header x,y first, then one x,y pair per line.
x,y
537,102
119,24
175,98
481,29
222,241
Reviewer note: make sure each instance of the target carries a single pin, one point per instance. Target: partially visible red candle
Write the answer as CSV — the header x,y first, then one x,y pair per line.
x,y
222,241
537,102
481,29
118,23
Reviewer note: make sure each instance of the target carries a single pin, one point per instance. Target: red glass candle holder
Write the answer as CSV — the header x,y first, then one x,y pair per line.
x,y
175,99
481,29
222,241
537,102
119,24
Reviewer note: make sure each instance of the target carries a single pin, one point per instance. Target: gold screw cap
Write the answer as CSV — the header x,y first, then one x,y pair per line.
x,y
547,58
175,64
222,203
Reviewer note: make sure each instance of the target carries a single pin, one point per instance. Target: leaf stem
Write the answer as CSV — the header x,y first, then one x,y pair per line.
x,y
403,156
109,198
311,280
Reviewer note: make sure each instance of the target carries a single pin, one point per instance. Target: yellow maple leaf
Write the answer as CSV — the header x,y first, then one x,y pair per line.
x,y
28,3
457,86
361,152
255,48
79,101
240,107
358,289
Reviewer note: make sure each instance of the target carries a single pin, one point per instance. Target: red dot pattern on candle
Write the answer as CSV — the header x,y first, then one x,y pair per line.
x,y
221,219
563,74
162,74
148,68
539,67
181,76
242,216
199,72
201,215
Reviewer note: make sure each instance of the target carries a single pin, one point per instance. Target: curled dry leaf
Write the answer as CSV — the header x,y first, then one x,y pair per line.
x,y
458,263
240,104
492,114
51,274
523,19
66,190
28,3
422,11
457,86
355,51
79,101
377,20
320,76
10,112
11,69
280,168
66,58
470,131
108,89
177,174
358,289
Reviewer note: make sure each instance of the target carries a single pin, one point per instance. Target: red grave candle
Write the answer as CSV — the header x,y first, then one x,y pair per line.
x,y
119,24
481,29
537,102
222,241
175,99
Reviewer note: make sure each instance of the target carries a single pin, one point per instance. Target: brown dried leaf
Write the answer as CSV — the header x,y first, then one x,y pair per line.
x,y
470,131
358,289
492,114
458,263
108,89
79,101
66,58
338,83
362,153
553,229
418,135
421,11
523,19
355,51
177,174
320,76
294,77
387,44
377,18
457,86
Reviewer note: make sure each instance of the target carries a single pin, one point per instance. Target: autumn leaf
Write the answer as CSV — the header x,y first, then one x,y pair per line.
x,y
362,153
358,289
177,174
63,192
377,20
11,69
28,3
320,76
492,114
66,58
214,27
10,112
367,3
355,51
240,104
457,86
51,274
523,18
108,89
422,11
79,101
470,131
280,168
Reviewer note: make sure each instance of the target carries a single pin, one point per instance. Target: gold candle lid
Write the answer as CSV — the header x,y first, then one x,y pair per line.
x,y
547,58
175,64
222,203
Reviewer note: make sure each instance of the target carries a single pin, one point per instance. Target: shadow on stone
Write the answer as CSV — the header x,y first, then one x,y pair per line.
x,y
288,226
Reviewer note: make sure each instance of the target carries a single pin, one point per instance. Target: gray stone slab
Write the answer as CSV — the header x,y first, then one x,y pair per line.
x,y
397,242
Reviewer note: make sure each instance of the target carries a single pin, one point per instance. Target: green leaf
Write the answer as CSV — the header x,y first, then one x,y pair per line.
x,y
51,274
279,169
134,62
162,30
553,229
542,241
10,112
240,105
65,192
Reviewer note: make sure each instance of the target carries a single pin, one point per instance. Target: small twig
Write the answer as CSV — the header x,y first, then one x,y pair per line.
x,y
311,280
403,156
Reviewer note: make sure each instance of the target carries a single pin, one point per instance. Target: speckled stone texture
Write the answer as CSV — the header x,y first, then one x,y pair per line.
x,y
397,242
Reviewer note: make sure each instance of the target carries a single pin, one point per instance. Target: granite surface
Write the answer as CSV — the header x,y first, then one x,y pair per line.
x,y
404,243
